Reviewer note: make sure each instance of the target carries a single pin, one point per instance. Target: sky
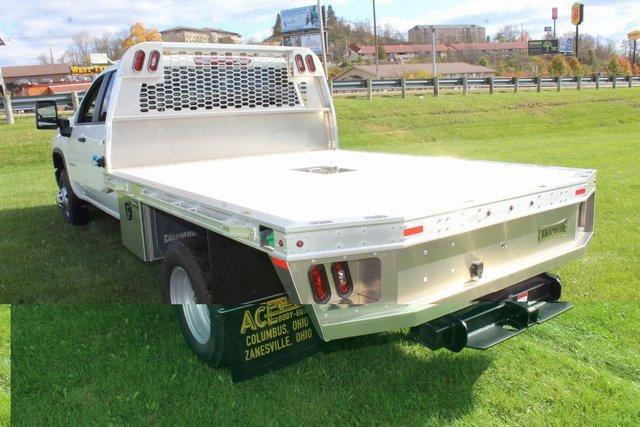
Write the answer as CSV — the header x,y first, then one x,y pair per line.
x,y
28,26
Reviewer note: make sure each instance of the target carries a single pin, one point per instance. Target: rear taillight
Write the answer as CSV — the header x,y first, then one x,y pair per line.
x,y
319,284
138,60
342,279
154,59
300,63
311,65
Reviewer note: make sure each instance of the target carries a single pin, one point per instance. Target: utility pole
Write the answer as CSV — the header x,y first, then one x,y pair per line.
x,y
375,40
433,52
323,37
51,52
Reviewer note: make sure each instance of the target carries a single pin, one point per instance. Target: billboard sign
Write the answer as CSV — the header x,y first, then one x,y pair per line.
x,y
577,13
543,47
312,41
554,13
634,35
547,29
565,44
98,58
300,19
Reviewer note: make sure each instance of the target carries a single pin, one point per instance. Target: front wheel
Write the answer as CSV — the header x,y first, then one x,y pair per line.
x,y
184,276
74,211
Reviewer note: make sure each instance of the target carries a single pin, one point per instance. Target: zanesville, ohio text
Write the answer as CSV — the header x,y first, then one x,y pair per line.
x,y
270,330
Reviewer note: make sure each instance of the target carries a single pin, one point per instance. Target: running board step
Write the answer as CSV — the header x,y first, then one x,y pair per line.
x,y
488,323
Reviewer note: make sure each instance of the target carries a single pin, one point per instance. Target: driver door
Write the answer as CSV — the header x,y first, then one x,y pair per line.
x,y
88,140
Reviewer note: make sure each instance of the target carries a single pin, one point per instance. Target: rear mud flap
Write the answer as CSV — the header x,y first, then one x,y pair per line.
x,y
267,335
490,322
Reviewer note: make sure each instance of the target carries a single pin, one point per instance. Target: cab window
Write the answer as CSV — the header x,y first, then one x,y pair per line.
x,y
88,106
106,97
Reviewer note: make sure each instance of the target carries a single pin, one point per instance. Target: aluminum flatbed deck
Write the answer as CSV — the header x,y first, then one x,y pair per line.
x,y
293,190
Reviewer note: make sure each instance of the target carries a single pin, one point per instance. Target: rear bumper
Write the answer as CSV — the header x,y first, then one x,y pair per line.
x,y
373,318
429,280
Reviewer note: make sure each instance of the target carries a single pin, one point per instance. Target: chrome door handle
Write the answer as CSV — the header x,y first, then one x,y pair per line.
x,y
82,139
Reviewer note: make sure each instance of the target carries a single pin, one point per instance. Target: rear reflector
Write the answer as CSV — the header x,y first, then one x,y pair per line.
x,y
342,279
319,284
154,59
311,65
580,191
413,230
138,60
300,63
280,263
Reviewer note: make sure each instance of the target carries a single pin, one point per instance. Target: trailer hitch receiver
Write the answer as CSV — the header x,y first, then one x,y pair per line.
x,y
495,317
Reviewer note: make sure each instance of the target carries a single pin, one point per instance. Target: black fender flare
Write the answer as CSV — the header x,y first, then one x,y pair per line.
x,y
59,163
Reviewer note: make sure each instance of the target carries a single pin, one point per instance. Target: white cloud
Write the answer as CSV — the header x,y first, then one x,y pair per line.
x,y
33,24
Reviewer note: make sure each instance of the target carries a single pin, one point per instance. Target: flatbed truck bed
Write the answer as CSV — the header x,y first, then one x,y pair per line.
x,y
224,162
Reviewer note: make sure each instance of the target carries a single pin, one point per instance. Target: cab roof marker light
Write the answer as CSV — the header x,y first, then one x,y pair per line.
x,y
138,60
311,65
154,60
581,191
300,63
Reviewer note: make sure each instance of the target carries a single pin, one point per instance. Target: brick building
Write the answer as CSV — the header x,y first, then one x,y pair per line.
x,y
448,34
405,52
199,35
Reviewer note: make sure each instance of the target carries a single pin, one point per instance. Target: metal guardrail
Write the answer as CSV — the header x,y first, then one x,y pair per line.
x,y
27,104
490,83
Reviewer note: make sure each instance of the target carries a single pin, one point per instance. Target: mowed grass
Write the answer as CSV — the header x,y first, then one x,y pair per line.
x,y
127,363
5,365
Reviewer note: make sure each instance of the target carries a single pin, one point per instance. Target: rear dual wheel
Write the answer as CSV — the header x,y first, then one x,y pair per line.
x,y
185,284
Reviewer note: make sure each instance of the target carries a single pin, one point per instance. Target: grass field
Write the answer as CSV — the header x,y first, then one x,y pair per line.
x,y
5,365
127,364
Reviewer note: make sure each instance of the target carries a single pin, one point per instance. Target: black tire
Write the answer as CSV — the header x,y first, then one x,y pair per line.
x,y
74,211
189,256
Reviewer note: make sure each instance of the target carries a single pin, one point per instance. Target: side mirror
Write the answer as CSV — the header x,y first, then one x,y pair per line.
x,y
46,115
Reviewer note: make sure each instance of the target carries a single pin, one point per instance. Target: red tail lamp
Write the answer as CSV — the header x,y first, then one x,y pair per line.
x,y
342,279
300,63
138,60
154,60
311,65
319,284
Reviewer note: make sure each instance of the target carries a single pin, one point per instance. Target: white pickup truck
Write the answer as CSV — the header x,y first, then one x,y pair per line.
x,y
224,162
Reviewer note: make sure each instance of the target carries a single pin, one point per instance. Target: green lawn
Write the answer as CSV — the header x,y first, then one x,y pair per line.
x,y
5,365
127,363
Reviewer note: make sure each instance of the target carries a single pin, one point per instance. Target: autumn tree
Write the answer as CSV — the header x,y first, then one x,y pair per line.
x,y
44,59
613,67
109,43
508,33
138,34
625,66
576,69
77,52
558,66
